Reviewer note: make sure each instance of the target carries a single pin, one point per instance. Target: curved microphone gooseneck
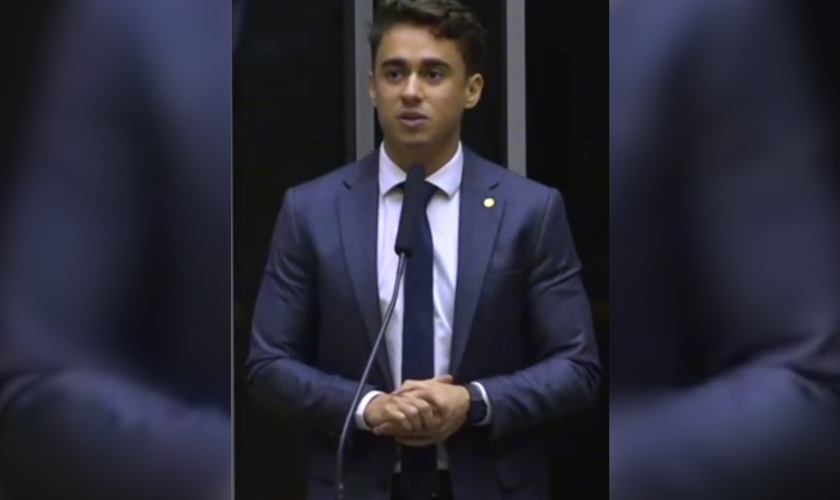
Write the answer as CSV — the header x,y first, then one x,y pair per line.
x,y
412,209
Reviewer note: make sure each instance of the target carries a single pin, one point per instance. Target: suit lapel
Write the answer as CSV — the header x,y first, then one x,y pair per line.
x,y
358,209
477,230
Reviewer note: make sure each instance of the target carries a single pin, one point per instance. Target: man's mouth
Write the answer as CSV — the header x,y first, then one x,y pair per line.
x,y
412,115
412,119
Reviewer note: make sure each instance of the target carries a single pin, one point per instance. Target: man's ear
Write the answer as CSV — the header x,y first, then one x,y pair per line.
x,y
371,89
475,85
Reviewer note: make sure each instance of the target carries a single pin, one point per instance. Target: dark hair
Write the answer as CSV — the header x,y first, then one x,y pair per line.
x,y
444,18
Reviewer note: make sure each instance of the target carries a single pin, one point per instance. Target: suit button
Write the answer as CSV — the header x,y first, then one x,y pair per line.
x,y
384,484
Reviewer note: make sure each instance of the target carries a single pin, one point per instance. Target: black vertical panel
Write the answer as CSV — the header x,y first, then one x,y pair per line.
x,y
289,127
567,145
819,39
483,128
288,113
26,38
567,117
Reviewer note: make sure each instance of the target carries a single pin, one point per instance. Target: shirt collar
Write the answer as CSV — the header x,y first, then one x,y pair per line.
x,y
447,178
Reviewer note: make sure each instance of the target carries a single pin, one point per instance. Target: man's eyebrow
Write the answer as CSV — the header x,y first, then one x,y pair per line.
x,y
432,62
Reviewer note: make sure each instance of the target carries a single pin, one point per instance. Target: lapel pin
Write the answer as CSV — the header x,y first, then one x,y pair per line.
x,y
489,202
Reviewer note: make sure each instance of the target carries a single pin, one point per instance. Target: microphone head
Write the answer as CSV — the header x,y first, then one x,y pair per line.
x,y
412,209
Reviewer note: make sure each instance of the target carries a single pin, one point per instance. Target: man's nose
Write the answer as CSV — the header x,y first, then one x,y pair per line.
x,y
412,88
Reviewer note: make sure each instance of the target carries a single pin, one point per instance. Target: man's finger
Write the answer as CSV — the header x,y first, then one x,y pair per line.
x,y
430,417
436,398
395,416
412,385
433,396
412,413
386,429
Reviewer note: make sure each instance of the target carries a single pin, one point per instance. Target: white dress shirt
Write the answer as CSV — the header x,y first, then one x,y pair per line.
x,y
443,213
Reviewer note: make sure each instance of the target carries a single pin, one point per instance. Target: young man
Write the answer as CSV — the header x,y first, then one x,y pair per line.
x,y
491,335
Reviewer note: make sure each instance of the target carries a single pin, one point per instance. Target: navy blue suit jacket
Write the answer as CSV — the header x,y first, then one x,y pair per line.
x,y
725,336
522,327
115,342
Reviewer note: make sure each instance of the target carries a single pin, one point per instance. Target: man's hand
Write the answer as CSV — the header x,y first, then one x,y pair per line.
x,y
449,401
392,414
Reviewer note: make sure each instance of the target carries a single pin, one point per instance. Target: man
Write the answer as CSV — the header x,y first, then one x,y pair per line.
x,y
491,335
115,342
725,336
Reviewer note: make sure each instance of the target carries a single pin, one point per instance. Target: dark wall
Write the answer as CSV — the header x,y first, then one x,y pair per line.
x,y
567,118
25,29
288,128
568,137
820,37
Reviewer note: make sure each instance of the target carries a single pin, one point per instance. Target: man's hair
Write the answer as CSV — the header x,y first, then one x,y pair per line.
x,y
444,18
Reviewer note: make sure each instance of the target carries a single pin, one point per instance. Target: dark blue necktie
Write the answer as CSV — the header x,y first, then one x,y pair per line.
x,y
419,465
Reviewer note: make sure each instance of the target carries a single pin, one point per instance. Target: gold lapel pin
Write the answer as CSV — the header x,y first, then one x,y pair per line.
x,y
489,202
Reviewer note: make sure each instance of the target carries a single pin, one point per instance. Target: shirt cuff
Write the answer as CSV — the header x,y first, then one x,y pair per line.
x,y
360,410
483,392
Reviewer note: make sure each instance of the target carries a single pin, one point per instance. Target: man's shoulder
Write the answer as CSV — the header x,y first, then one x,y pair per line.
x,y
533,189
518,185
330,184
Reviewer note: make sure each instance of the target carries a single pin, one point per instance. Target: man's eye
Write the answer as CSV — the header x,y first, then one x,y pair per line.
x,y
434,75
392,74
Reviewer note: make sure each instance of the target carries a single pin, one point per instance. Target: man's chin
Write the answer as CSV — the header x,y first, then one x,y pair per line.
x,y
415,141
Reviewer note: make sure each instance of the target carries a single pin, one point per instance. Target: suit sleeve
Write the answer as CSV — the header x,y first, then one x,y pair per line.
x,y
566,376
765,244
74,421
284,334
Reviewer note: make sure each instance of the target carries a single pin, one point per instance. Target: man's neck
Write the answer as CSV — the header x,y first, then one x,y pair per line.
x,y
431,157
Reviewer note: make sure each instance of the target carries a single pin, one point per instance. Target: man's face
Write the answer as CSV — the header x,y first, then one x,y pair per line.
x,y
419,86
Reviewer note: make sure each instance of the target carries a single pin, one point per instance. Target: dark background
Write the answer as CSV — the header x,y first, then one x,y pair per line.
x,y
24,34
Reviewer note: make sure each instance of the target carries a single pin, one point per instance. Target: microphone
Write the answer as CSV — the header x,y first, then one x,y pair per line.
x,y
412,210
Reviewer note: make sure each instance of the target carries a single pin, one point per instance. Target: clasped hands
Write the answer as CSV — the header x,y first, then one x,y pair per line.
x,y
421,412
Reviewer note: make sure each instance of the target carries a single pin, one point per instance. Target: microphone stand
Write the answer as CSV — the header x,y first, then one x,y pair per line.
x,y
340,492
